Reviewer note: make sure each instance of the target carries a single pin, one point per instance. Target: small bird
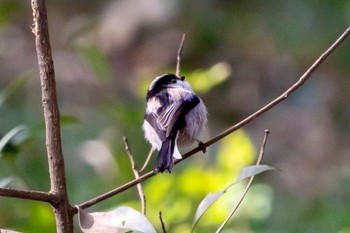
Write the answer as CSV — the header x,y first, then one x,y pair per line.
x,y
174,114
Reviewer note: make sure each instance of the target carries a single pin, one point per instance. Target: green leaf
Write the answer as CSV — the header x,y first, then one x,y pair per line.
x,y
252,171
4,140
211,198
205,204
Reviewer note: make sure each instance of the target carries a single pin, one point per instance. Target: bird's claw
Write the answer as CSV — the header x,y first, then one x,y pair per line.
x,y
202,146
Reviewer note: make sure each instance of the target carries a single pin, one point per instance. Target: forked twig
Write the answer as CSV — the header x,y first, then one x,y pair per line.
x,y
260,157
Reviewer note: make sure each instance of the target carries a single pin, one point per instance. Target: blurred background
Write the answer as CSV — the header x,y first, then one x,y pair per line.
x,y
238,56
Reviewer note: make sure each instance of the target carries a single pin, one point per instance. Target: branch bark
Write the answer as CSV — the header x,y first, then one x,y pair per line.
x,y
27,194
137,175
178,58
61,206
231,129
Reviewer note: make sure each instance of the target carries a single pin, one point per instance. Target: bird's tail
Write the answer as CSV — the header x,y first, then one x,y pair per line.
x,y
164,162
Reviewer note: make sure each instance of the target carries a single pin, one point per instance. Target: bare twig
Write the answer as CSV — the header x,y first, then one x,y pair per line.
x,y
179,52
261,155
285,95
162,222
27,194
147,160
228,131
113,192
137,175
62,209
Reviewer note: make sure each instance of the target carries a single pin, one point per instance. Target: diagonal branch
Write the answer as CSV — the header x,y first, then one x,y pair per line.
x,y
284,95
230,130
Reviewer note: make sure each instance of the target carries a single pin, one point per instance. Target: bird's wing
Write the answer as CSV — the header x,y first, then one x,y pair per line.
x,y
151,118
172,117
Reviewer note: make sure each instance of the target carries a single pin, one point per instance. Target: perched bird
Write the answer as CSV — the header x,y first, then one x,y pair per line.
x,y
174,114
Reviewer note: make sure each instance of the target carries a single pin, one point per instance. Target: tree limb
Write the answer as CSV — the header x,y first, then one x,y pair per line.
x,y
27,194
62,209
284,95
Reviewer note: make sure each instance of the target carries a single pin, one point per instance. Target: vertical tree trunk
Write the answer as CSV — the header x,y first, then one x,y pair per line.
x,y
62,209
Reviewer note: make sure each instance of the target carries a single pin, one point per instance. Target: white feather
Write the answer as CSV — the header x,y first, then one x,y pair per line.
x,y
151,135
176,153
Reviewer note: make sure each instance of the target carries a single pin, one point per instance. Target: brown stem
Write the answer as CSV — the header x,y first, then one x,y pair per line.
x,y
147,160
162,222
285,95
27,194
62,209
230,130
179,52
113,192
137,175
260,157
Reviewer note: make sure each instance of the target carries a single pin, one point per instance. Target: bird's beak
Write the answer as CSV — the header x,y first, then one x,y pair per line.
x,y
182,78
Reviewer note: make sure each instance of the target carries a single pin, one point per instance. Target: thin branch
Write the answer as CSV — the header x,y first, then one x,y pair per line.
x,y
113,192
63,213
262,147
162,222
228,131
285,95
261,155
179,52
27,194
147,160
137,175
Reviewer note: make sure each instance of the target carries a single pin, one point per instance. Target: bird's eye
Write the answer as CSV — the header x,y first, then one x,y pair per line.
x,y
173,81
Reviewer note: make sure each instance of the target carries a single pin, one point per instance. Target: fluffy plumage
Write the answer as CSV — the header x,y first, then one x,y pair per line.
x,y
174,114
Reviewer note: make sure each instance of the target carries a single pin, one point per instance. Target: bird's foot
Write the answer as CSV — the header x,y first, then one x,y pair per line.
x,y
202,146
